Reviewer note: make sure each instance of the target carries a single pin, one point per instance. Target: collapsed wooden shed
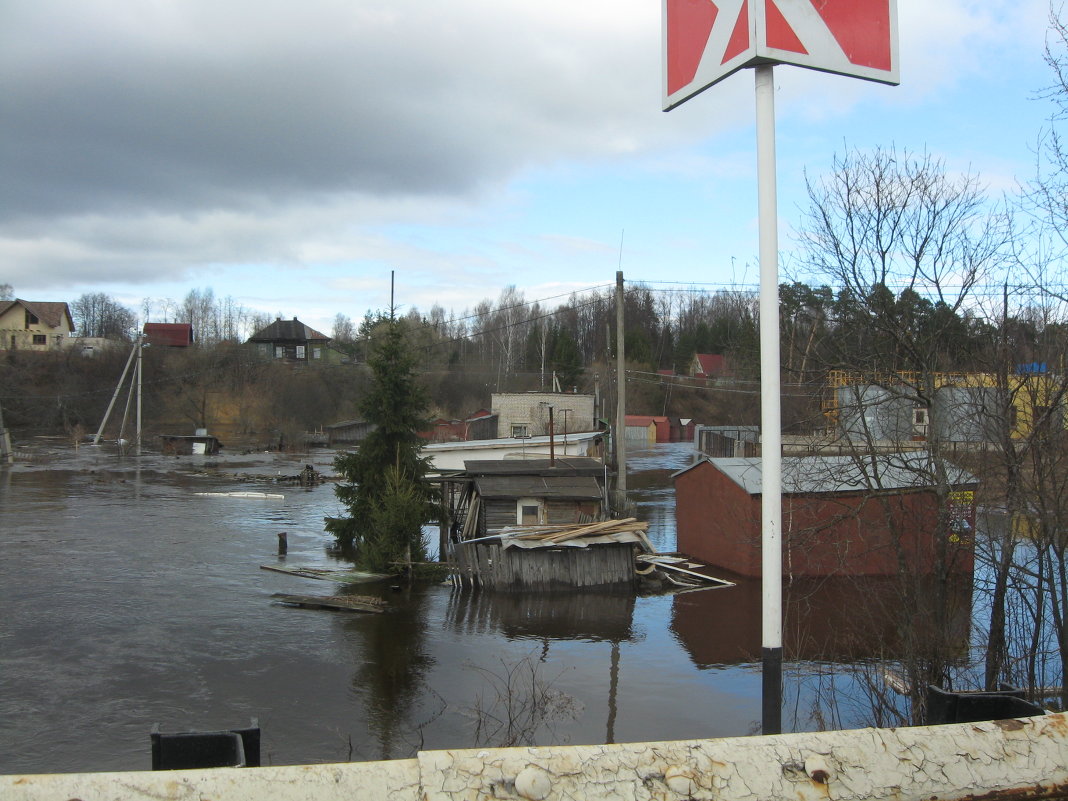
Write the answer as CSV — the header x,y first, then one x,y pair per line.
x,y
539,524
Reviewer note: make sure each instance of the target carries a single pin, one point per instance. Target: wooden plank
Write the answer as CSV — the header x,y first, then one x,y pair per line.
x,y
684,565
347,603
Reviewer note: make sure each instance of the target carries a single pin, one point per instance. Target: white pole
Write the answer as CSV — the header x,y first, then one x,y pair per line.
x,y
770,415
140,348
621,401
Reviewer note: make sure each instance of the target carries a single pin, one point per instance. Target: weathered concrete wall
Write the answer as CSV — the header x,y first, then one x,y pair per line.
x,y
525,409
1012,759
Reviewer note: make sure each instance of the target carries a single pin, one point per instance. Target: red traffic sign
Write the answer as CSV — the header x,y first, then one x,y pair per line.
x,y
707,40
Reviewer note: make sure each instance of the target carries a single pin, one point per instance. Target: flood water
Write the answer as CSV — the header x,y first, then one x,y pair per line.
x,y
129,600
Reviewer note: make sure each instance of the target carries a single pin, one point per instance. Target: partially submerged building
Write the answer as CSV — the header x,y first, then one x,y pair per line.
x,y
506,492
841,516
510,520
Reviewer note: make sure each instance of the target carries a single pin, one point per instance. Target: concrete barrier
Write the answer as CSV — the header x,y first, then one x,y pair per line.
x,y
1025,758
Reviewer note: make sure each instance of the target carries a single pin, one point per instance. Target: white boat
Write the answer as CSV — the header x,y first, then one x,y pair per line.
x,y
452,455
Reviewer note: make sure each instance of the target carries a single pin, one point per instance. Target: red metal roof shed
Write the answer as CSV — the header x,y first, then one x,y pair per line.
x,y
172,335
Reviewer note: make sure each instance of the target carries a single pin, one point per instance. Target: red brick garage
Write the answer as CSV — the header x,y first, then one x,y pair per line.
x,y
841,516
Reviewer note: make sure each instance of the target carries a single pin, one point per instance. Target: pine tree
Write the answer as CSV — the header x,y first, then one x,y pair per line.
x,y
386,489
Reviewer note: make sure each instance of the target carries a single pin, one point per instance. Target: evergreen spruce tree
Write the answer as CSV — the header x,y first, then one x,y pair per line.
x,y
385,488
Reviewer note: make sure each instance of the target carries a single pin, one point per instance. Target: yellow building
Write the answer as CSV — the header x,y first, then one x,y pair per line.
x,y
34,325
965,406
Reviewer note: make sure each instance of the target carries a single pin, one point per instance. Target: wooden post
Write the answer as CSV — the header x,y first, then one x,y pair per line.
x,y
283,543
6,454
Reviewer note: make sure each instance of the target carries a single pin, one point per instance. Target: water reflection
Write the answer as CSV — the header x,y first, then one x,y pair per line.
x,y
393,658
589,616
827,619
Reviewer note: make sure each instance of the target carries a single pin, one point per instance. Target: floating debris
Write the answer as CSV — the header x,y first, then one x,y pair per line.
x,y
329,574
690,570
345,603
240,494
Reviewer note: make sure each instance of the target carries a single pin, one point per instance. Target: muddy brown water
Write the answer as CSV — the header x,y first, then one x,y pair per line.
x,y
128,600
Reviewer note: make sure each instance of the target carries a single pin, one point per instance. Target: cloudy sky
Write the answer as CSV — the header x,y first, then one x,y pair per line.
x,y
291,155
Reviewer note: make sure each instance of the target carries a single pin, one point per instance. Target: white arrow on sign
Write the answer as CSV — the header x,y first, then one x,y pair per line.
x,y
707,40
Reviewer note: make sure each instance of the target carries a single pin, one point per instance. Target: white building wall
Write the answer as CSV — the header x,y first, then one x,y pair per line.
x,y
530,409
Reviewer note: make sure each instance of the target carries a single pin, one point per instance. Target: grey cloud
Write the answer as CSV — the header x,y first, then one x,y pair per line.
x,y
283,101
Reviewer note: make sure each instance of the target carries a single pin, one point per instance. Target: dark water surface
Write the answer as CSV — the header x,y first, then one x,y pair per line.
x,y
128,600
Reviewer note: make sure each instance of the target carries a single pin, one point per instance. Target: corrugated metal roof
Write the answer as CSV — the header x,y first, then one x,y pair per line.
x,y
826,474
574,487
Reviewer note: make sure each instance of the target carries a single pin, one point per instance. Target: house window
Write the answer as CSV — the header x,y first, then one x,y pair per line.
x,y
264,348
40,339
920,420
300,352
317,353
31,319
529,512
279,352
520,430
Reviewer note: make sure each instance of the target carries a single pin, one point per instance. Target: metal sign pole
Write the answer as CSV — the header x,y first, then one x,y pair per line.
x,y
770,415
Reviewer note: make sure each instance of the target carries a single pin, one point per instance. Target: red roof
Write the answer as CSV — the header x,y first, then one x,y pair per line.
x,y
710,364
175,335
645,420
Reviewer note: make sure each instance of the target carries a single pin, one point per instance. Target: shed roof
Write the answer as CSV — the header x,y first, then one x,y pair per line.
x,y
565,466
644,419
807,475
288,331
528,486
172,334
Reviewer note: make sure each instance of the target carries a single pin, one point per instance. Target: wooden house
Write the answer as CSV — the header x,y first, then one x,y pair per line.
x,y
510,492
35,325
290,340
840,516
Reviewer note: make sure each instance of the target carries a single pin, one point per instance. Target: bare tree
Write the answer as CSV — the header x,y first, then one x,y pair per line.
x,y
100,315
907,244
